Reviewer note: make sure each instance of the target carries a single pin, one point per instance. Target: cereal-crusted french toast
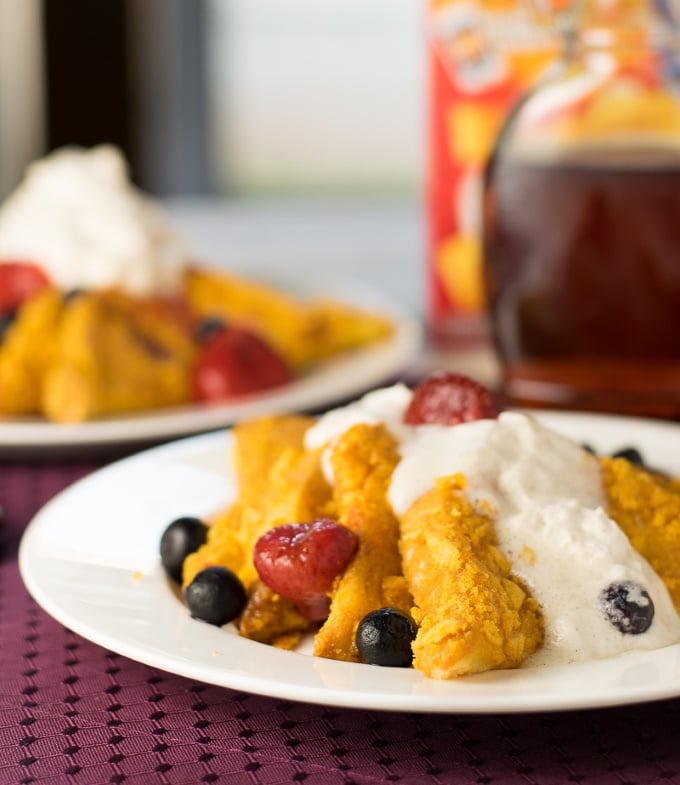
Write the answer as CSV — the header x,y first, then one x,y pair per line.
x,y
473,614
362,461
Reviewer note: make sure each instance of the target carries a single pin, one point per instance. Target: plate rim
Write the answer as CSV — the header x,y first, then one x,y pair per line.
x,y
277,688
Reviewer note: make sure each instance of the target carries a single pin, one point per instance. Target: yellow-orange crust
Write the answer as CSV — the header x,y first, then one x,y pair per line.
x,y
646,505
27,352
269,618
473,614
304,332
117,354
363,461
278,482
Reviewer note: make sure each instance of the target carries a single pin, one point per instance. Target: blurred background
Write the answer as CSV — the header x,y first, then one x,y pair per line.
x,y
235,98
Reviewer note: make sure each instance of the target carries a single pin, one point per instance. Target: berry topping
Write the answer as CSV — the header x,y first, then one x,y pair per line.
x,y
628,607
182,537
300,561
72,294
448,398
207,328
384,637
6,320
215,595
18,282
631,454
234,361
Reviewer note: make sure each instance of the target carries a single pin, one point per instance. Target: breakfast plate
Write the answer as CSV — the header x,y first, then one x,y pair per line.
x,y
90,559
336,379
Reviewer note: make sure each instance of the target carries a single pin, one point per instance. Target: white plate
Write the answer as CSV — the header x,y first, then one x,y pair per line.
x,y
90,559
337,379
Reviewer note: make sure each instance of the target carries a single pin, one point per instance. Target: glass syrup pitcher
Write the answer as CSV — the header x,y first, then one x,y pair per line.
x,y
581,218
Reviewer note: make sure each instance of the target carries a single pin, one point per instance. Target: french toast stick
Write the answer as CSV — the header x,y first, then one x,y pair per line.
x,y
473,614
278,482
362,461
26,352
646,505
115,353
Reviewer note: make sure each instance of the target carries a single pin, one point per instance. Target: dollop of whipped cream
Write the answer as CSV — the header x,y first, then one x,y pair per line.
x,y
78,217
545,494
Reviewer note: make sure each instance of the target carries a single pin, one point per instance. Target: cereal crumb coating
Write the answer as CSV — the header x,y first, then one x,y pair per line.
x,y
363,461
646,505
473,614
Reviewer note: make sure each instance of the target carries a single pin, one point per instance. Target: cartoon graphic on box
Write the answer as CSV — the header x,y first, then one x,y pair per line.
x,y
483,54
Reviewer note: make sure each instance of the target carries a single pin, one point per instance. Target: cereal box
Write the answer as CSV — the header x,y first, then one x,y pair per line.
x,y
483,54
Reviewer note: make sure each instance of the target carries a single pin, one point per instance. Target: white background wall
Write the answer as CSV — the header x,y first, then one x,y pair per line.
x,y
304,95
317,94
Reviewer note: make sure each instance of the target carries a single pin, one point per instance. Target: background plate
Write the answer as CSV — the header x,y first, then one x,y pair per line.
x,y
90,560
337,379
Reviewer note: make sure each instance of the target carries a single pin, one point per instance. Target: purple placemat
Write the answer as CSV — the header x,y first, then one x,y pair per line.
x,y
72,712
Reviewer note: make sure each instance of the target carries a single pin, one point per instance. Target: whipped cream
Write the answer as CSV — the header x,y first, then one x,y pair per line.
x,y
78,217
546,496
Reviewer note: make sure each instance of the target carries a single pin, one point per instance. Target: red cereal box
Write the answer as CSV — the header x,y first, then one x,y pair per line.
x,y
482,55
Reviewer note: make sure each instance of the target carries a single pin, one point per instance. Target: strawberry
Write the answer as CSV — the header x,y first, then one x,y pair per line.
x,y
448,398
300,561
18,282
234,361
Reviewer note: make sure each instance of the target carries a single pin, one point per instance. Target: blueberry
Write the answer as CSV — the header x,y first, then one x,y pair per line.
x,y
628,607
6,320
72,294
634,456
182,537
215,595
631,454
207,328
384,637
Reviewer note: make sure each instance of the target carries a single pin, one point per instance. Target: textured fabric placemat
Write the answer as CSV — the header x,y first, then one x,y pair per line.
x,y
72,712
